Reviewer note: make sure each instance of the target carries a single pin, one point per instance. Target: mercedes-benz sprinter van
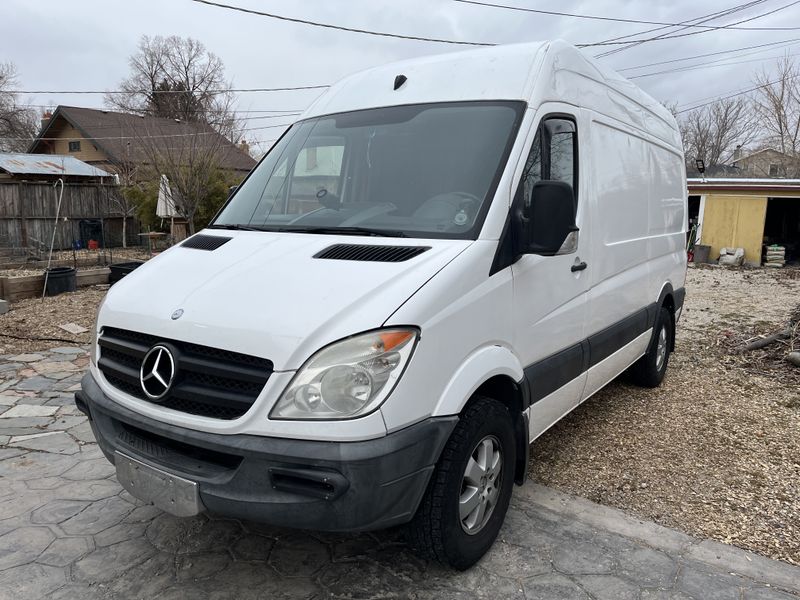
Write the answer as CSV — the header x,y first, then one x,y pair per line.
x,y
440,259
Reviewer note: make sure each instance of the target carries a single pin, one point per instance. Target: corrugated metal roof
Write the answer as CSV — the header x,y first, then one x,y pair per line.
x,y
48,164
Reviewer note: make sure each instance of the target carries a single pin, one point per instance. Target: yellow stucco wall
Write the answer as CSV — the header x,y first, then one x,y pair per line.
x,y
734,221
88,152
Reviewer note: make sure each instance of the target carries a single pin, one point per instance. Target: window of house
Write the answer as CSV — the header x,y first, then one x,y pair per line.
x,y
773,170
75,146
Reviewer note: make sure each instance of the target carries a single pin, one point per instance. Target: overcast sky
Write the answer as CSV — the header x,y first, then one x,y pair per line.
x,y
85,44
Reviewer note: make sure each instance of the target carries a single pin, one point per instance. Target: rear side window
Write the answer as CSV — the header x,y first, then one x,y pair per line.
x,y
553,155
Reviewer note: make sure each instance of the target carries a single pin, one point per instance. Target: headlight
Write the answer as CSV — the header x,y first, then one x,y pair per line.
x,y
348,378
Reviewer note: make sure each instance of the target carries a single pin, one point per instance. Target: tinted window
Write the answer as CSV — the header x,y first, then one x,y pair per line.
x,y
552,156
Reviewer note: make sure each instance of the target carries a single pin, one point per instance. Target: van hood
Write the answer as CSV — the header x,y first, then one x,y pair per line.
x,y
265,294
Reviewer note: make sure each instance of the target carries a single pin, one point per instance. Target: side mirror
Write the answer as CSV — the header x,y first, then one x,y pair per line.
x,y
550,219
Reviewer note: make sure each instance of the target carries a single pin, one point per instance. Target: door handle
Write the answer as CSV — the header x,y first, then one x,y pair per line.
x,y
578,267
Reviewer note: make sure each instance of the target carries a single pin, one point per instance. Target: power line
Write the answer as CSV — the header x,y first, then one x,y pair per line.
x,y
693,21
696,56
240,90
680,35
209,110
615,19
137,137
702,19
711,65
120,124
339,27
734,95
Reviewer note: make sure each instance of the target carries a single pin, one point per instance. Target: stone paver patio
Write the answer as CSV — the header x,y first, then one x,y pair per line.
x,y
68,530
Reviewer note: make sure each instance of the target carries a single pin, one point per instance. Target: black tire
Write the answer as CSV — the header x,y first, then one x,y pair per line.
x,y
649,371
436,530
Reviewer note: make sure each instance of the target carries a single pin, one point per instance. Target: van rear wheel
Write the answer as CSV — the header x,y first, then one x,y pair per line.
x,y
649,370
470,489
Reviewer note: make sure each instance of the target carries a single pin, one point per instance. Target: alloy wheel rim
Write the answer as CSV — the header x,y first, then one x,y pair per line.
x,y
661,349
480,486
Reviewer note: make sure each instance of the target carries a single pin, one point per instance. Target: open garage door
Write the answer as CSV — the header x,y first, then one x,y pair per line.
x,y
782,227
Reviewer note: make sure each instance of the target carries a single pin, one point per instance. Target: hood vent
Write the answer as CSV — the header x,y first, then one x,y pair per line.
x,y
371,253
205,242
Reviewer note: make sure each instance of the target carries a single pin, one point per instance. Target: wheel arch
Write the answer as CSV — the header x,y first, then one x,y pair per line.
x,y
492,372
666,299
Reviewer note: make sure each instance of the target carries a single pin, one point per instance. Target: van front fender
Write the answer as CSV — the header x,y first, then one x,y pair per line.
x,y
480,366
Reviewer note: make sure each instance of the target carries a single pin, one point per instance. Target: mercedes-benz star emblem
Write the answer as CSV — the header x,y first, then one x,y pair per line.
x,y
177,314
157,372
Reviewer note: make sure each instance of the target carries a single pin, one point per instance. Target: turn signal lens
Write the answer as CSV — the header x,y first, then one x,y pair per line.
x,y
393,339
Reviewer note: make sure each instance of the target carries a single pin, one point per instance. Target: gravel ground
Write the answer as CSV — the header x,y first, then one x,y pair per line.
x,y
715,451
32,318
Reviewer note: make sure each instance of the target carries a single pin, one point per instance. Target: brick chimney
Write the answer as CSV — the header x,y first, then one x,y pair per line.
x,y
737,153
46,116
244,147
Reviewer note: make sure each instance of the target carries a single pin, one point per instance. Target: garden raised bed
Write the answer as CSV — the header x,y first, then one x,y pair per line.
x,y
17,288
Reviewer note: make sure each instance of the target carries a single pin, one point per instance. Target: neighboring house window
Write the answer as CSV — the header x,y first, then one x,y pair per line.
x,y
74,146
773,170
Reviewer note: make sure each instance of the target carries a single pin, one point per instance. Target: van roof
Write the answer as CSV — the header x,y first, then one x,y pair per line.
x,y
534,72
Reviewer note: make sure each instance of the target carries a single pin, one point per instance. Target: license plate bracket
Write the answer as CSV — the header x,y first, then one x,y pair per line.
x,y
170,493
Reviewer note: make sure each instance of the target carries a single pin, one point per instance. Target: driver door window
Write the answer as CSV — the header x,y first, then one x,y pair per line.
x,y
553,156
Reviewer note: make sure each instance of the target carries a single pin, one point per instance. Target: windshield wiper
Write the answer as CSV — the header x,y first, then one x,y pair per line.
x,y
345,231
237,227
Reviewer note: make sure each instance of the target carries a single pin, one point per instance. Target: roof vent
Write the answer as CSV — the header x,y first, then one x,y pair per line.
x,y
371,253
205,242
399,81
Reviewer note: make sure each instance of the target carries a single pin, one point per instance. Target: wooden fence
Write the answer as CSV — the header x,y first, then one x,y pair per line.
x,y
88,211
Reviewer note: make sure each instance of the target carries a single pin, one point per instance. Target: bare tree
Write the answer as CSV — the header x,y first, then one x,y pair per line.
x,y
178,78
124,201
190,156
18,122
713,132
777,105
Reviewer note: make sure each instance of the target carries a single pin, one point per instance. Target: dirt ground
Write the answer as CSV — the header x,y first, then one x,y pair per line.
x,y
715,451
33,318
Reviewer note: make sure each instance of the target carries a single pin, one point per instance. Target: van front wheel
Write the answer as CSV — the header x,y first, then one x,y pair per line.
x,y
649,370
470,489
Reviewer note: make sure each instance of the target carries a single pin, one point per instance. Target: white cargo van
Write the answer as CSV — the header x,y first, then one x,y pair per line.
x,y
438,261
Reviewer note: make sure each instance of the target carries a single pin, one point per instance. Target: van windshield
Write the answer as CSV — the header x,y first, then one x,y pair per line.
x,y
408,171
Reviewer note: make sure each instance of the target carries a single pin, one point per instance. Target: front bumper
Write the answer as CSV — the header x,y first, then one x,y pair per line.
x,y
326,486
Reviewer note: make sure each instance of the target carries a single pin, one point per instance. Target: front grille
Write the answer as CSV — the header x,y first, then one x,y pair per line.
x,y
166,450
209,382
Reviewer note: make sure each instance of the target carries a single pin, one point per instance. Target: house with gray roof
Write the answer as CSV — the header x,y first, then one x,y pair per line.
x,y
113,141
